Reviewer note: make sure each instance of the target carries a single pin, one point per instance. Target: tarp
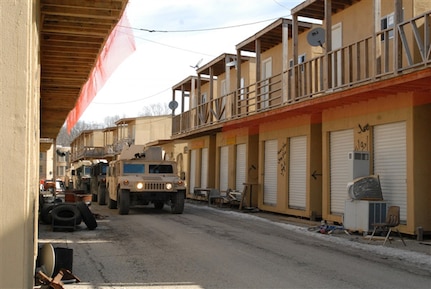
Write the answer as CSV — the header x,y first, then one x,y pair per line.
x,y
119,45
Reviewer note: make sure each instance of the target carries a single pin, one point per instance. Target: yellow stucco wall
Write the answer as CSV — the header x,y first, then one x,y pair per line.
x,y
382,110
281,130
19,84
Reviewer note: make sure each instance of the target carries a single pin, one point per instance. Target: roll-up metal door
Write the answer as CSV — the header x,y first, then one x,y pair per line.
x,y
341,143
390,163
240,166
270,173
192,171
224,168
204,168
297,172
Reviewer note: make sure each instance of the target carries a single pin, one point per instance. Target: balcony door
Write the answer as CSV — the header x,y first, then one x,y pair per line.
x,y
336,57
266,75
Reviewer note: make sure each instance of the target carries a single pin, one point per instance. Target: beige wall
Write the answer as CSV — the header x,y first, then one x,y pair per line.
x,y
19,84
152,128
281,130
383,110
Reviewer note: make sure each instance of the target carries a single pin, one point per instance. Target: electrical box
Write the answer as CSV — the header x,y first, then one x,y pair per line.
x,y
359,164
359,215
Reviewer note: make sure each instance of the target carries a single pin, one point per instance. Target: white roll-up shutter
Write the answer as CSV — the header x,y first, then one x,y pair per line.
x,y
341,143
192,178
204,168
224,168
240,167
270,173
297,172
390,163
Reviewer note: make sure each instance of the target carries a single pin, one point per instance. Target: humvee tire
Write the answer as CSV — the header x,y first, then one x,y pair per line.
x,y
177,204
124,201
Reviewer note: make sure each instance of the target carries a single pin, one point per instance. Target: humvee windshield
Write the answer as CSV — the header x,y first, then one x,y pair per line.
x,y
161,169
133,168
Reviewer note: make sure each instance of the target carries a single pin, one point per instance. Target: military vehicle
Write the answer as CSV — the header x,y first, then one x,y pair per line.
x,y
141,176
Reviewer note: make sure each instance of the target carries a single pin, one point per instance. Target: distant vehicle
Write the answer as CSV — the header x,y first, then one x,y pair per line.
x,y
81,176
98,182
141,177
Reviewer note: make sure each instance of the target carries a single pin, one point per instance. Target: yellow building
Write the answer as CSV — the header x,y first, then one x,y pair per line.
x,y
354,80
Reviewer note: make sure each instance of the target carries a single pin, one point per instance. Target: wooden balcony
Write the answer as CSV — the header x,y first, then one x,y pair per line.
x,y
391,53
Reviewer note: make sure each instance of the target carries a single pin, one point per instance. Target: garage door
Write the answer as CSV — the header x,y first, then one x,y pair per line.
x,y
240,167
297,172
224,168
270,173
204,168
192,180
390,163
341,143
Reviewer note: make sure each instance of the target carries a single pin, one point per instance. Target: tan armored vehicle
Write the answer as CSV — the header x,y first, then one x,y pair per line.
x,y
140,177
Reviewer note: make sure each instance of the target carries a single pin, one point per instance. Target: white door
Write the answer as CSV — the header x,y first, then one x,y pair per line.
x,y
240,167
390,163
297,172
341,143
192,178
224,168
266,75
204,168
337,43
270,173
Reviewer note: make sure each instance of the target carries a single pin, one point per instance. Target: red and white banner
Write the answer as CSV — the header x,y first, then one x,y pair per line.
x,y
119,45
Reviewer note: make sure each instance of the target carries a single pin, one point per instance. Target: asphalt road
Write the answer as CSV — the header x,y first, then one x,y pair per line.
x,y
212,248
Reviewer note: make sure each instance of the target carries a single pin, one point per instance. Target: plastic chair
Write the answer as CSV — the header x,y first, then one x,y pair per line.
x,y
391,223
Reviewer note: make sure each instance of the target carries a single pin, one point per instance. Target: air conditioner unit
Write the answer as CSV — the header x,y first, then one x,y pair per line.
x,y
359,164
359,215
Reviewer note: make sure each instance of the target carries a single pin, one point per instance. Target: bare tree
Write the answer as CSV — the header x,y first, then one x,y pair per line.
x,y
65,139
155,109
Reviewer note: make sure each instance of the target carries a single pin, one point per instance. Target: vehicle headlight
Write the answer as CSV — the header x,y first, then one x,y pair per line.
x,y
126,182
169,186
139,186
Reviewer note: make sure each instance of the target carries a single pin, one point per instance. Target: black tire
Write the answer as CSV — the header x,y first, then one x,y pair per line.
x,y
124,201
45,214
87,215
101,194
112,204
65,215
177,203
93,197
158,205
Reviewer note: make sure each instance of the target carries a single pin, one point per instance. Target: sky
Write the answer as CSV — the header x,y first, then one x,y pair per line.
x,y
186,32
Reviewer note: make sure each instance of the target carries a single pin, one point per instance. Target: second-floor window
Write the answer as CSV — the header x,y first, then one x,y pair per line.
x,y
386,23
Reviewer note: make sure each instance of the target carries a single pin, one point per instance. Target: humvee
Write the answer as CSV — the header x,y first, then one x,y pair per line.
x,y
141,177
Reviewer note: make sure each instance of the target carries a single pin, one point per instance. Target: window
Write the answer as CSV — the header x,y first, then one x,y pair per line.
x,y
161,169
133,168
386,23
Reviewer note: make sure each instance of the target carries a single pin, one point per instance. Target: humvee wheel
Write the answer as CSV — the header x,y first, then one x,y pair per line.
x,y
177,204
112,204
124,201
101,194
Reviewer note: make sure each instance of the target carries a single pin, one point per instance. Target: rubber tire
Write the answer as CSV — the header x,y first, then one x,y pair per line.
x,y
111,203
101,194
45,213
124,202
158,205
65,215
177,203
87,215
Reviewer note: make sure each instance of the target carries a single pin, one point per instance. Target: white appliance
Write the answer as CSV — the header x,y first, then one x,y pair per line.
x,y
359,164
359,215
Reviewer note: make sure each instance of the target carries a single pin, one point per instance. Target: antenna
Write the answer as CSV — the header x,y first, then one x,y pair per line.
x,y
316,37
196,66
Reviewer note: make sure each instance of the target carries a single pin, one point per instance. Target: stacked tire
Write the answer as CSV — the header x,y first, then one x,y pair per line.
x,y
68,215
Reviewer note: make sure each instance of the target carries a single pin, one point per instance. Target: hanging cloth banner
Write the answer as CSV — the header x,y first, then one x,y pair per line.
x,y
119,45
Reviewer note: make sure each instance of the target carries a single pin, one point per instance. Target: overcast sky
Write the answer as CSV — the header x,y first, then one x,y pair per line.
x,y
190,30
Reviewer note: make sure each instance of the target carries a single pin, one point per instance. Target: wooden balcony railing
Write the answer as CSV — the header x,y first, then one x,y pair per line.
x,y
400,49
